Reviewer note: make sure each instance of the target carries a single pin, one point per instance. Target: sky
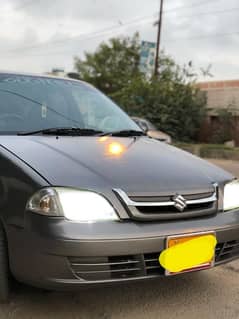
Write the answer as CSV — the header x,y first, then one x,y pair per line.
x,y
38,35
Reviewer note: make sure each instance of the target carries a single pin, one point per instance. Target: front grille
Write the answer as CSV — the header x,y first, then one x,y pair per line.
x,y
168,207
167,198
135,266
227,250
152,265
103,268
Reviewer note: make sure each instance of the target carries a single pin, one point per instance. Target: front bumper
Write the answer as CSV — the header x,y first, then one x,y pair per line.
x,y
58,254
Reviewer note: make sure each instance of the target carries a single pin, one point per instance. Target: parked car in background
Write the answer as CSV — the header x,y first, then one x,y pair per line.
x,y
88,199
152,131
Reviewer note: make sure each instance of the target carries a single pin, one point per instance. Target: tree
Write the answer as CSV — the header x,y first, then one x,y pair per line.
x,y
225,124
112,66
173,106
171,101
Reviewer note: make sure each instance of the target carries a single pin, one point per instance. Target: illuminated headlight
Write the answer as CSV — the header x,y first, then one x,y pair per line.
x,y
231,195
75,205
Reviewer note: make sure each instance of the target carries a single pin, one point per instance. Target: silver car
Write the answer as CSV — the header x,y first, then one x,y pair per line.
x,y
152,131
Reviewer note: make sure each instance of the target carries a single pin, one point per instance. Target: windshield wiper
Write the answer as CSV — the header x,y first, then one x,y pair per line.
x,y
68,131
125,133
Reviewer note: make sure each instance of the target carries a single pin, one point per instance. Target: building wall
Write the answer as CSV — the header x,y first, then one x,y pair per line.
x,y
220,95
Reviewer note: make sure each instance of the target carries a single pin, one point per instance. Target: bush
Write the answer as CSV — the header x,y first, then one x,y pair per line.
x,y
173,106
216,151
220,152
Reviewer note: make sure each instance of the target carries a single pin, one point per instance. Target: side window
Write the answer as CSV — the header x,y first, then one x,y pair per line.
x,y
144,125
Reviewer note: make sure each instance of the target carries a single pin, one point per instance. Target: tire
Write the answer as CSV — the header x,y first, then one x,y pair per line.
x,y
4,268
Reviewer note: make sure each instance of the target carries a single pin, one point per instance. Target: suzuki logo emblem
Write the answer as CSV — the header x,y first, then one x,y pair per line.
x,y
180,202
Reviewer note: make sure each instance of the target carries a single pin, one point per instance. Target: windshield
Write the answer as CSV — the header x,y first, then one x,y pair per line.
x,y
29,103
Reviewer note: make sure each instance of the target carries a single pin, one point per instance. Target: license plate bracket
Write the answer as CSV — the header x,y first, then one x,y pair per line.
x,y
179,239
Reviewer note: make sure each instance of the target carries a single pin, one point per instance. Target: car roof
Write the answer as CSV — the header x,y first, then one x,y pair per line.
x,y
39,75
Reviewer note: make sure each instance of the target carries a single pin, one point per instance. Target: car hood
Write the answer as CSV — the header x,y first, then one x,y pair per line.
x,y
135,165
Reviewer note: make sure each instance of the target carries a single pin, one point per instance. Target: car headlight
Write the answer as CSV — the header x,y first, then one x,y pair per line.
x,y
231,195
75,205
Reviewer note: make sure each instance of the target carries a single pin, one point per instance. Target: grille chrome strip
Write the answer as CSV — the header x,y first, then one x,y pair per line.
x,y
129,262
130,202
107,271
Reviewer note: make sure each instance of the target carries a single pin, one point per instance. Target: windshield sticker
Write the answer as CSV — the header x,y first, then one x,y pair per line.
x,y
44,111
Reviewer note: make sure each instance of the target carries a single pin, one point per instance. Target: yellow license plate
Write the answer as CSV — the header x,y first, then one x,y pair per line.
x,y
181,241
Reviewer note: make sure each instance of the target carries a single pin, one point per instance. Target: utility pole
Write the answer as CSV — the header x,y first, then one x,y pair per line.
x,y
158,38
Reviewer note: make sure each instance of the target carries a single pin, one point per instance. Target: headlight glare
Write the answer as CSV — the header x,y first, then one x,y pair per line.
x,y
231,196
75,205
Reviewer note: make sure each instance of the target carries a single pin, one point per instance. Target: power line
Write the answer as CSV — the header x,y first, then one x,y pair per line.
x,y
219,35
208,13
216,35
94,35
102,32
199,4
62,52
79,36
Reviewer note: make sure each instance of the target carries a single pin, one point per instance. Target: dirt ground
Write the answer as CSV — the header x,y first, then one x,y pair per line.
x,y
209,294
230,166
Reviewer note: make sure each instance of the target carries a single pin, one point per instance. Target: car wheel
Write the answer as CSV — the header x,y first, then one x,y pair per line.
x,y
4,267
